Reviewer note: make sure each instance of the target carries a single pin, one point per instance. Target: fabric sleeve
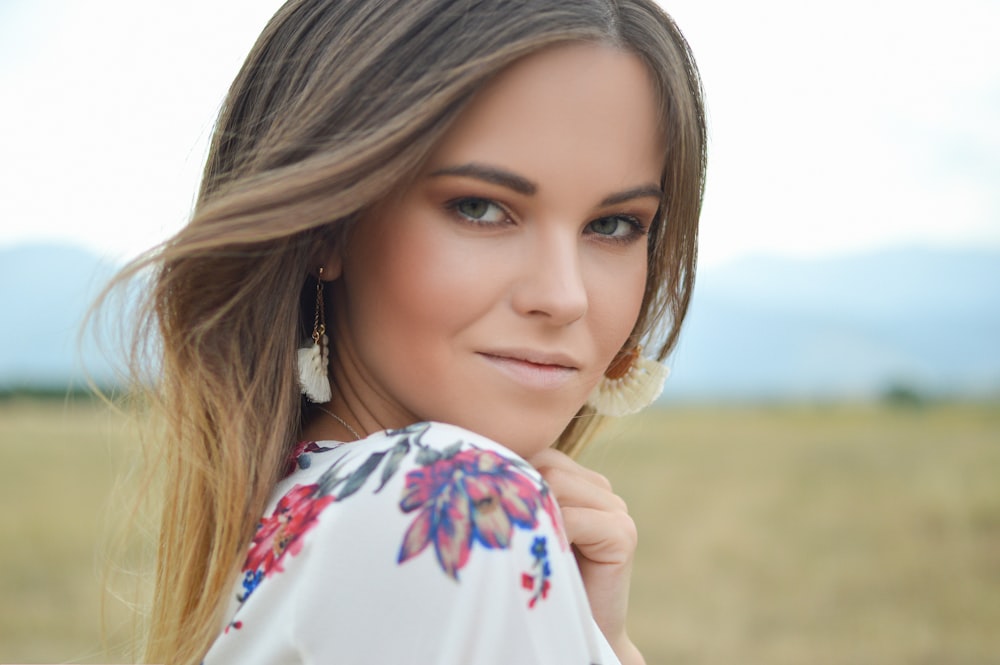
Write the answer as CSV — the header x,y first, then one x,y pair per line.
x,y
433,545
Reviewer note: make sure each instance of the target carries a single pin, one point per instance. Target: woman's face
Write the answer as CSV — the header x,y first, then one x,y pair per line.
x,y
495,291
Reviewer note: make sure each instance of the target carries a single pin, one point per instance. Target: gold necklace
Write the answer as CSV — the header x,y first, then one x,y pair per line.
x,y
357,437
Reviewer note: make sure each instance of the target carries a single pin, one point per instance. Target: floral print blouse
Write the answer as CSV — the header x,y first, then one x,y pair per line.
x,y
429,544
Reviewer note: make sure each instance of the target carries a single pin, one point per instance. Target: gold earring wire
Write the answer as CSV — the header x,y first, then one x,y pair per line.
x,y
319,320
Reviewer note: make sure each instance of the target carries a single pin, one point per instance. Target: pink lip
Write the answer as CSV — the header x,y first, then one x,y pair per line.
x,y
533,369
545,358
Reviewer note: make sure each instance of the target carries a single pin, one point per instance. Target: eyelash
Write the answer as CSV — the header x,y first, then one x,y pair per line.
x,y
455,205
638,229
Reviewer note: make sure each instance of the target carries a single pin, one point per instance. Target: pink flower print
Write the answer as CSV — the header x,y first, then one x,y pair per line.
x,y
500,502
282,532
473,495
445,521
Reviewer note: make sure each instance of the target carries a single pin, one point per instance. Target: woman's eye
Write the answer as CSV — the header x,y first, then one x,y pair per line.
x,y
479,211
617,227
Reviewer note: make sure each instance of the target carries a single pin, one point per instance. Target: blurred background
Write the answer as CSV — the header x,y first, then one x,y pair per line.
x,y
819,480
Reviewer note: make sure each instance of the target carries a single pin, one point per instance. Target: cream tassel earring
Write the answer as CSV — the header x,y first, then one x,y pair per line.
x,y
629,385
314,358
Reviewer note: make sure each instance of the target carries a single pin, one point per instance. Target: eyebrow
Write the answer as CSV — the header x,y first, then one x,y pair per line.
x,y
521,185
651,191
492,175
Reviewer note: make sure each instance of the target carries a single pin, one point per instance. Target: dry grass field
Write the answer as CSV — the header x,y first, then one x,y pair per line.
x,y
769,535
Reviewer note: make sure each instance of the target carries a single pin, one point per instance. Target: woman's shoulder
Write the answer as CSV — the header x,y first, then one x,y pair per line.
x,y
431,522
440,479
391,497
415,464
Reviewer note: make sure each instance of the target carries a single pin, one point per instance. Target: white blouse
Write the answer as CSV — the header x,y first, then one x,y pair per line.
x,y
429,544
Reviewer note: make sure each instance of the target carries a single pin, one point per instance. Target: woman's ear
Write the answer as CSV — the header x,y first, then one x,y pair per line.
x,y
332,266
330,256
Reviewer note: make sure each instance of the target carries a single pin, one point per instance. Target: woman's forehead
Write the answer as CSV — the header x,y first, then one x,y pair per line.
x,y
585,106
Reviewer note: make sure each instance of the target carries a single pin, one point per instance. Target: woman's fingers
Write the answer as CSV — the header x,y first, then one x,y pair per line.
x,y
593,513
602,533
601,536
572,491
551,460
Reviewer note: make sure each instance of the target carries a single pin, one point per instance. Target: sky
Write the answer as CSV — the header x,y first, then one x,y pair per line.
x,y
834,127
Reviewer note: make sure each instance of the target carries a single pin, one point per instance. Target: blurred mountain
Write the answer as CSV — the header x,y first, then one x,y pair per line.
x,y
918,320
922,320
45,291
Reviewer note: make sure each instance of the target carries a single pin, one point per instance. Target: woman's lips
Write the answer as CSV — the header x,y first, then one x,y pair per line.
x,y
534,370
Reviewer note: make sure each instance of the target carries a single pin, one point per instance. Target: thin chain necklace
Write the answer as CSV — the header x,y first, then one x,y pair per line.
x,y
357,437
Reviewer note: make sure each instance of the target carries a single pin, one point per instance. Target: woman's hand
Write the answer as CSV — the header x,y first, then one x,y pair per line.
x,y
604,539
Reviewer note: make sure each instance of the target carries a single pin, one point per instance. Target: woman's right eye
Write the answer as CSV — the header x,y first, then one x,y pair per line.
x,y
479,211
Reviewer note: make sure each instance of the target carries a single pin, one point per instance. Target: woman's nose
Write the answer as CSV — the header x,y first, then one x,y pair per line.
x,y
551,283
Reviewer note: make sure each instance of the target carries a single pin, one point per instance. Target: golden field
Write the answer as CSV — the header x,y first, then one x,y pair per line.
x,y
768,535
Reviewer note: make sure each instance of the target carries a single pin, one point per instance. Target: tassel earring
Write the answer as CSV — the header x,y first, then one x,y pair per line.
x,y
629,385
314,358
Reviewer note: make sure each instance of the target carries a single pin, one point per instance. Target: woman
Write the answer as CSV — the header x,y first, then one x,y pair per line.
x,y
473,214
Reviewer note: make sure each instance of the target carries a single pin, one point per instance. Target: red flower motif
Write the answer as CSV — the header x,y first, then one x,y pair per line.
x,y
282,532
472,495
295,459
543,594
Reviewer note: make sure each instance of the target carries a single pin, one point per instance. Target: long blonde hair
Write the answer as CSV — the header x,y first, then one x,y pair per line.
x,y
337,105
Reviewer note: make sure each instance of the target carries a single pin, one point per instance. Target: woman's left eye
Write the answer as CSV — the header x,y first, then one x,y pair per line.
x,y
479,211
617,227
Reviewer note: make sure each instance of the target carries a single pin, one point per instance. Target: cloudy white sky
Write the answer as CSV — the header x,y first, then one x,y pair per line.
x,y
835,127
